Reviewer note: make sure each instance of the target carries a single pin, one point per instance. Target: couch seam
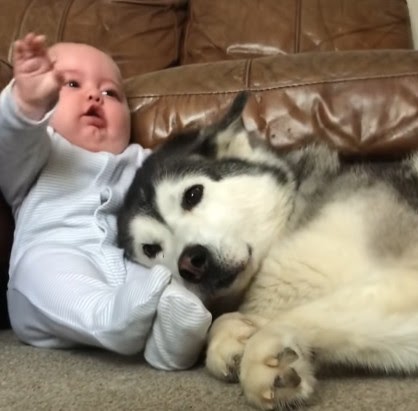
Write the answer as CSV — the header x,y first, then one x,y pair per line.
x,y
312,83
298,16
61,26
18,32
176,33
184,53
247,72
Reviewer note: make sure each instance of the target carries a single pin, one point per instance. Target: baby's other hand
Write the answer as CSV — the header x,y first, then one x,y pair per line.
x,y
37,83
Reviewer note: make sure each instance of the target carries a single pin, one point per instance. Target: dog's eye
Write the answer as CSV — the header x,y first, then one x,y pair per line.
x,y
192,196
151,250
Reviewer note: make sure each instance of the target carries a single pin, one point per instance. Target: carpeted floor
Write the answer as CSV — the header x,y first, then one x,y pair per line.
x,y
37,379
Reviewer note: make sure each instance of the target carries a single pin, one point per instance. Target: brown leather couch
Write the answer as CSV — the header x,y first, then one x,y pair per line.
x,y
342,71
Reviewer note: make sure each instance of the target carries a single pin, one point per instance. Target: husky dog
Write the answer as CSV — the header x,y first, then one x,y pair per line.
x,y
320,253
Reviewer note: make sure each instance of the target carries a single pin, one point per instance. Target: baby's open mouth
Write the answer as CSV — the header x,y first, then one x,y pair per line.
x,y
94,117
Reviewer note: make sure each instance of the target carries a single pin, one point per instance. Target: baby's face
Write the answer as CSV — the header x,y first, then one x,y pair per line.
x,y
92,111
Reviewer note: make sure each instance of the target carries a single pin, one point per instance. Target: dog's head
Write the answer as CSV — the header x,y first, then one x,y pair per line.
x,y
207,205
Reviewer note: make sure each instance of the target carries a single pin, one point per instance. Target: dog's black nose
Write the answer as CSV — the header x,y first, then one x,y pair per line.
x,y
193,263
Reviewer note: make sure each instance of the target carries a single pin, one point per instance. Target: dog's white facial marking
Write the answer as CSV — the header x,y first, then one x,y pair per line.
x,y
148,231
224,220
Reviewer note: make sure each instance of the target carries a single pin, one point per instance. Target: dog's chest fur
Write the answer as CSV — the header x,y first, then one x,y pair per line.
x,y
341,238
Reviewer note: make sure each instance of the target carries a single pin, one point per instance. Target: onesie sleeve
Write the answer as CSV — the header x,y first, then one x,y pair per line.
x,y
24,149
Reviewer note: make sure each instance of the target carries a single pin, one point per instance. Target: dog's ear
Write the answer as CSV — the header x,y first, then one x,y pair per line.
x,y
210,138
232,120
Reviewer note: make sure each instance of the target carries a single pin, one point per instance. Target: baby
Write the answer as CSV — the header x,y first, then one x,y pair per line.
x,y
66,164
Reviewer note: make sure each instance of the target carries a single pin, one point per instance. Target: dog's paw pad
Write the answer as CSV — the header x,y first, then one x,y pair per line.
x,y
285,357
288,355
289,379
275,379
232,374
292,379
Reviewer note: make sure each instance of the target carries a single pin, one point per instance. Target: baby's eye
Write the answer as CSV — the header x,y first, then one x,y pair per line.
x,y
111,93
72,83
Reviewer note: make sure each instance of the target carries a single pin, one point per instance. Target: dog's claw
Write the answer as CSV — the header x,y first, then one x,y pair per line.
x,y
233,369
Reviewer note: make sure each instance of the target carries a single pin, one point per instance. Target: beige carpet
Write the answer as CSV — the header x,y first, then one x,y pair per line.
x,y
37,379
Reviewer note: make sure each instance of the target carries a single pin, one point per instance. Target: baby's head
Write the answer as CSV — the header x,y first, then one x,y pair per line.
x,y
92,111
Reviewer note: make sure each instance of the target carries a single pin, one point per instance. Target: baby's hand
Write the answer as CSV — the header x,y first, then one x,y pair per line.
x,y
37,83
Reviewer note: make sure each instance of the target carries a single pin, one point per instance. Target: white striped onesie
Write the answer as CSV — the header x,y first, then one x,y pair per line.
x,y
69,283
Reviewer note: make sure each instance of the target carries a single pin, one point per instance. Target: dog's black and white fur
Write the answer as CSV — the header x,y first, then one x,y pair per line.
x,y
322,253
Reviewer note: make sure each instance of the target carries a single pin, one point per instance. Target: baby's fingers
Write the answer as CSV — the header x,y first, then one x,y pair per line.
x,y
36,43
30,46
18,51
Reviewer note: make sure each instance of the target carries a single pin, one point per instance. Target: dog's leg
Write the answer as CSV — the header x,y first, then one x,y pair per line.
x,y
226,342
373,326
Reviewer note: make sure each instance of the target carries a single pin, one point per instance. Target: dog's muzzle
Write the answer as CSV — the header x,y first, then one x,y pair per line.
x,y
198,265
194,263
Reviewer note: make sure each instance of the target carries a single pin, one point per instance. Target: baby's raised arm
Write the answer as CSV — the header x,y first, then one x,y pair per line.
x,y
37,83
24,142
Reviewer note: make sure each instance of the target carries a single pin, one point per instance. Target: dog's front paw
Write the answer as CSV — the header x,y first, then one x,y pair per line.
x,y
227,338
276,371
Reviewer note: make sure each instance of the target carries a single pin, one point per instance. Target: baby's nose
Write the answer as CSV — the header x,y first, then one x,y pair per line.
x,y
95,95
